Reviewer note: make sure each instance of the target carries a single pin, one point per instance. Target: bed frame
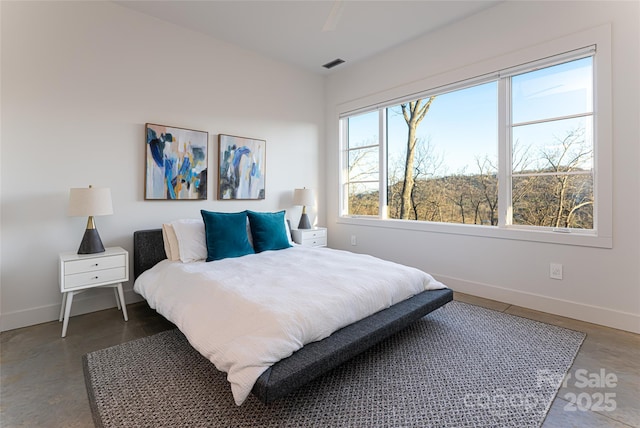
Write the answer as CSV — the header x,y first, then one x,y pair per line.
x,y
316,358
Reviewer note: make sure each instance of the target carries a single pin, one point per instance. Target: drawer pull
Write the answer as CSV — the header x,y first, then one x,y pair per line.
x,y
95,277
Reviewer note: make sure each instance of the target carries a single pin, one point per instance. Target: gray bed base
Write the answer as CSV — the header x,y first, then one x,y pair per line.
x,y
316,358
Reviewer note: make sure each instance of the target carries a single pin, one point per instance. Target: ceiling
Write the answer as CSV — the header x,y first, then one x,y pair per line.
x,y
312,33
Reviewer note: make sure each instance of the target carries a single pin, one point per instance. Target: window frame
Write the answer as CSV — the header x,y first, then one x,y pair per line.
x,y
511,64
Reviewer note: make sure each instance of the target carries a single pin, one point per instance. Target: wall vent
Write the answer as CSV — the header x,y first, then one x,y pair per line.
x,y
333,63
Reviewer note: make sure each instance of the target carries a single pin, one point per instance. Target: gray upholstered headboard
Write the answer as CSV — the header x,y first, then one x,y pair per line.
x,y
148,249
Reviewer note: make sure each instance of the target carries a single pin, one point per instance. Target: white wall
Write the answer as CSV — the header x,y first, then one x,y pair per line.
x,y
599,285
79,81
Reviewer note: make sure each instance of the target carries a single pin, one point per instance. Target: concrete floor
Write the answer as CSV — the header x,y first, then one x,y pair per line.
x,y
42,383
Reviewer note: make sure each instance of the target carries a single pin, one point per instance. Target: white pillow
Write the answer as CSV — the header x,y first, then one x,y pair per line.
x,y
171,247
286,225
192,242
249,235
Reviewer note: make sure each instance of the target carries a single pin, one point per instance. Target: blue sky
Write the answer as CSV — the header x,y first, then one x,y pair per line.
x,y
459,125
462,125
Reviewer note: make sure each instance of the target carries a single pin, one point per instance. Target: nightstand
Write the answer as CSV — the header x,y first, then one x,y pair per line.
x,y
81,272
316,237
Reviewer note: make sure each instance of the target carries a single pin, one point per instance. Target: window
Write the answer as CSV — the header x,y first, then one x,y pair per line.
x,y
510,150
453,137
363,169
552,146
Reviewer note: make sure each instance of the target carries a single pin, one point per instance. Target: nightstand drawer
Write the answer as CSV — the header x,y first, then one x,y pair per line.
x,y
320,241
95,277
93,264
315,234
316,237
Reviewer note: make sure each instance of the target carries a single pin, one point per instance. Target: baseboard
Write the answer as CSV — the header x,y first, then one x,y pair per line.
x,y
91,301
579,311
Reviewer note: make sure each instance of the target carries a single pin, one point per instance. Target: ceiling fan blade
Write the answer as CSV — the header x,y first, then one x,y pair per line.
x,y
334,16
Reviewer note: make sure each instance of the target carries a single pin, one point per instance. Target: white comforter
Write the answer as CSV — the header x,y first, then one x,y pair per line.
x,y
245,314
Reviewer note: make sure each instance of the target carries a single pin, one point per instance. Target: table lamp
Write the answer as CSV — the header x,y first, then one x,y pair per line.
x,y
303,197
90,201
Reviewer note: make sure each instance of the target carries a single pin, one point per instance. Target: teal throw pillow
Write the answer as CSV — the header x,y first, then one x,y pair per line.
x,y
226,235
268,231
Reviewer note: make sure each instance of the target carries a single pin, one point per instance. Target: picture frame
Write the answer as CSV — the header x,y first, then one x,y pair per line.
x,y
176,163
241,168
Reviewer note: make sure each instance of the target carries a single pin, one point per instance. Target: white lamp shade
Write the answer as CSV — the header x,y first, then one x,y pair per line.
x,y
90,201
303,197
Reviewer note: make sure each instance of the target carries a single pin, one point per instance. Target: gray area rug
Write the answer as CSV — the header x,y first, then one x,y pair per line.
x,y
460,366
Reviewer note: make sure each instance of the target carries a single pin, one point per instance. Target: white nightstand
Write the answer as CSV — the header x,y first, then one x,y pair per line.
x,y
80,272
316,237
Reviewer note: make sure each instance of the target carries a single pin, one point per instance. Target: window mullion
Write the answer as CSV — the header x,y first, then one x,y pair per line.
x,y
553,119
505,153
382,164
343,196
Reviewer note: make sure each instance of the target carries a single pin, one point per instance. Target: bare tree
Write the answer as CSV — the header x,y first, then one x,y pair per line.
x,y
557,191
413,113
489,185
362,165
427,164
567,157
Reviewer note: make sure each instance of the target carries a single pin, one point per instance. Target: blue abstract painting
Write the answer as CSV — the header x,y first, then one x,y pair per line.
x,y
242,168
176,163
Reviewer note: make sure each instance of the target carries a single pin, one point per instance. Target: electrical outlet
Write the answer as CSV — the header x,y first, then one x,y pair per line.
x,y
354,241
555,271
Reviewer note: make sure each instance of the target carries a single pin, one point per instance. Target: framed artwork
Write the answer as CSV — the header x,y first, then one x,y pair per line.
x,y
241,168
176,163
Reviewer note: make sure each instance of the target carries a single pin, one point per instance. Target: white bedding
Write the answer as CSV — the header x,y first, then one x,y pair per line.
x,y
245,314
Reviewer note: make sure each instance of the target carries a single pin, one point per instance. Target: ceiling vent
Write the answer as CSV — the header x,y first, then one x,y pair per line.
x,y
333,63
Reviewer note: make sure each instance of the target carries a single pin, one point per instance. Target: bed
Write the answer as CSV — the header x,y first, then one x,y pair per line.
x,y
311,360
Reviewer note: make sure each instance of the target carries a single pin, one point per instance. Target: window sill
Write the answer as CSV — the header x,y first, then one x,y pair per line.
x,y
572,237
